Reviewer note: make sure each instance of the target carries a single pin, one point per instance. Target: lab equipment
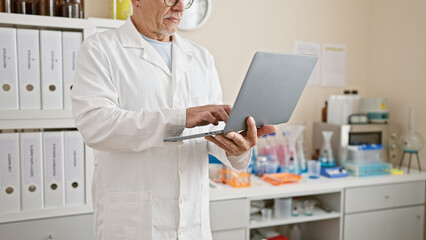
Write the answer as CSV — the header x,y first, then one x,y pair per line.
x,y
282,207
215,172
376,109
358,118
301,154
292,133
281,178
266,213
340,107
295,233
261,165
388,135
365,154
326,154
324,112
236,179
314,169
372,169
334,172
297,208
412,142
309,206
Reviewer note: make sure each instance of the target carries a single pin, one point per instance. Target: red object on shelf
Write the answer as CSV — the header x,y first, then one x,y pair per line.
x,y
280,237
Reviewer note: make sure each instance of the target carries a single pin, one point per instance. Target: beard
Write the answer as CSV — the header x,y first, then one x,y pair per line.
x,y
167,32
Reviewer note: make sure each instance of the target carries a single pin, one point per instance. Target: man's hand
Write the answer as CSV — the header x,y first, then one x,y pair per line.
x,y
236,144
204,115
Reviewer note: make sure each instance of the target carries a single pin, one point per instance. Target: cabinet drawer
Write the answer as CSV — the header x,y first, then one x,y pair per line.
x,y
63,228
229,214
233,234
393,224
384,196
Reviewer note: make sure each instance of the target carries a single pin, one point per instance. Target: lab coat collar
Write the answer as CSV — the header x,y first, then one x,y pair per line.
x,y
131,38
181,56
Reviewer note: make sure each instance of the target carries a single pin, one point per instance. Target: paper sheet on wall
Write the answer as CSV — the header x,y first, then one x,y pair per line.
x,y
333,65
311,49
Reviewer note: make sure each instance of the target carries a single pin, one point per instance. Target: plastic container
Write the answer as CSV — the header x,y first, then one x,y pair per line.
x,y
282,207
266,213
365,154
281,178
371,169
234,178
314,169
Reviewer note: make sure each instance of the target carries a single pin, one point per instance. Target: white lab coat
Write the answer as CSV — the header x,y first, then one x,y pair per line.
x,y
125,102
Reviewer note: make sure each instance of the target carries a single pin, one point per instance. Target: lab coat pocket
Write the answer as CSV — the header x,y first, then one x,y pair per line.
x,y
128,215
205,219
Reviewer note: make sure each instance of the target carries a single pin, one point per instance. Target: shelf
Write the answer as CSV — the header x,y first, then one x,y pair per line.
x,y
44,213
35,114
16,119
257,221
41,21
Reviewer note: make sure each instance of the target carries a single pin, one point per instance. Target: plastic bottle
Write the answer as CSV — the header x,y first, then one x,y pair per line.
x,y
295,233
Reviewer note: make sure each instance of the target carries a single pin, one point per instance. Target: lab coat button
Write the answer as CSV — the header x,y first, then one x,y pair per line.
x,y
180,201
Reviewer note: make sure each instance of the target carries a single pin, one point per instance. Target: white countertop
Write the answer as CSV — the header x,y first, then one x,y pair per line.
x,y
260,189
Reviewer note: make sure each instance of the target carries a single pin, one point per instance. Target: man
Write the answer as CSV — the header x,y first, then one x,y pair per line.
x,y
133,87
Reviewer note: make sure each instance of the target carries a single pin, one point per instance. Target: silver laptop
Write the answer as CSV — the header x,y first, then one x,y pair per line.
x,y
269,93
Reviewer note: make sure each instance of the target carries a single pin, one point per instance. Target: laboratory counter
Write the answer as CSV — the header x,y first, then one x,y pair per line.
x,y
390,207
260,189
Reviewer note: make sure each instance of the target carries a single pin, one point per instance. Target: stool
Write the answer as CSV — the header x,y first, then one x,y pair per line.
x,y
411,152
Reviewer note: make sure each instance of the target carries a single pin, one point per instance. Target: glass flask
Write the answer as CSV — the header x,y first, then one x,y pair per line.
x,y
326,154
412,141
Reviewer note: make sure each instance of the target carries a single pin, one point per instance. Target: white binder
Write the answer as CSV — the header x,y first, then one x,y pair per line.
x,y
74,168
10,190
8,70
31,171
51,69
29,69
53,169
71,42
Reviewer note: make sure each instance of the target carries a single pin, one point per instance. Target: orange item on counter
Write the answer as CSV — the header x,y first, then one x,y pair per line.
x,y
281,178
235,178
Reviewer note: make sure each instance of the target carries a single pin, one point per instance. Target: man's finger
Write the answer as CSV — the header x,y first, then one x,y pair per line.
x,y
221,114
208,117
265,130
251,129
219,144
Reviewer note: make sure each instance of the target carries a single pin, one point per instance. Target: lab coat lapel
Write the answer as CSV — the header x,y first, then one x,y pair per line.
x,y
181,59
131,38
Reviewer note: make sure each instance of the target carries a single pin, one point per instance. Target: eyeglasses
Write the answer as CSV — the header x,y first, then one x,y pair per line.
x,y
172,3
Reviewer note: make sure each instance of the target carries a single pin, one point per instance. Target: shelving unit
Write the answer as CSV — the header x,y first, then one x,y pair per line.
x,y
46,120
257,221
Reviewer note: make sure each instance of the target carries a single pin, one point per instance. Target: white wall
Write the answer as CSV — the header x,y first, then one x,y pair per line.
x,y
385,39
397,67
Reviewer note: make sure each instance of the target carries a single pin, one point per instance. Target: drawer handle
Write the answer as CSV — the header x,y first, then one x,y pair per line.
x,y
419,217
51,236
387,197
